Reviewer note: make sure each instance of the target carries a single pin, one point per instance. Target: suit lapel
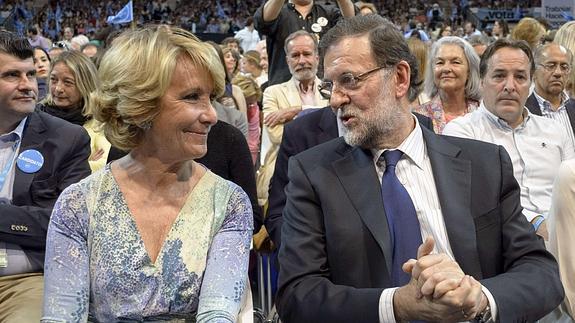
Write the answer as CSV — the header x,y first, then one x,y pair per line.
x,y
291,94
358,177
532,105
31,139
327,125
453,182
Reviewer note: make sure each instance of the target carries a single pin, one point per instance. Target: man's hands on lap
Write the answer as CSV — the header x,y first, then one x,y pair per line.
x,y
438,291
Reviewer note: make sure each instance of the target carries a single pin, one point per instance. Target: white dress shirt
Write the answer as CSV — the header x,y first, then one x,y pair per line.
x,y
560,115
536,147
9,149
17,260
248,39
415,173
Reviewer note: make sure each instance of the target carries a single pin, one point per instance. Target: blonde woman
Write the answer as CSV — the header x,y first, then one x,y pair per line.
x,y
154,236
419,49
529,30
72,78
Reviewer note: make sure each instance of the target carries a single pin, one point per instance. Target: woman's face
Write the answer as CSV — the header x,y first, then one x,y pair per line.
x,y
42,63
450,68
180,130
446,32
230,62
496,28
63,87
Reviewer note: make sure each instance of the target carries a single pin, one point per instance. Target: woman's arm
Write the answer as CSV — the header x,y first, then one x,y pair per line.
x,y
226,276
66,278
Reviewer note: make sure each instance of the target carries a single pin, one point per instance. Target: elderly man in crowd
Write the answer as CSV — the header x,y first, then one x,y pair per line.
x,y
277,21
553,65
350,242
40,156
283,102
537,145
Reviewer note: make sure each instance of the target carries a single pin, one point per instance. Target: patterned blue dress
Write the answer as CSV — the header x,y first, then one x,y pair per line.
x,y
97,265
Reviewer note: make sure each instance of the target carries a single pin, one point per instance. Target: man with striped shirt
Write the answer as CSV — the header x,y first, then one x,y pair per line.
x,y
552,69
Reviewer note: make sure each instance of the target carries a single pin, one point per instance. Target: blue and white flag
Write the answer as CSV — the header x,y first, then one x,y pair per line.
x,y
220,10
123,16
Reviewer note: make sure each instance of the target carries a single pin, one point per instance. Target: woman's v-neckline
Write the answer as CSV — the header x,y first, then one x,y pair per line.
x,y
190,197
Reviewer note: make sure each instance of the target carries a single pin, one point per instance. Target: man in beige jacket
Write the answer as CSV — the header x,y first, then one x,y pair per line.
x,y
283,102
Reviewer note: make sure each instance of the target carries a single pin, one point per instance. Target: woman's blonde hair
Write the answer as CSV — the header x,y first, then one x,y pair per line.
x,y
136,71
85,78
420,50
565,37
529,30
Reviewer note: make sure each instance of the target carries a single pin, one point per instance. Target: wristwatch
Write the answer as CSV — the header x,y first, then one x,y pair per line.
x,y
484,317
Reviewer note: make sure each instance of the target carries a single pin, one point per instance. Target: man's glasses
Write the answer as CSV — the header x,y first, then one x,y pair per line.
x,y
551,67
346,81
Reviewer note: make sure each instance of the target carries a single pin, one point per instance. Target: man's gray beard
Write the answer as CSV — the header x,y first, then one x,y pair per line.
x,y
305,76
369,132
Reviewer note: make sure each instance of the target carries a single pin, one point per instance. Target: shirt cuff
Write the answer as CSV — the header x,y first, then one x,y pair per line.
x,y
386,314
492,304
530,215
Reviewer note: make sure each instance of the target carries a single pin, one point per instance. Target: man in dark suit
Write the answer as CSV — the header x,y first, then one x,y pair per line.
x,y
40,155
352,246
299,135
552,70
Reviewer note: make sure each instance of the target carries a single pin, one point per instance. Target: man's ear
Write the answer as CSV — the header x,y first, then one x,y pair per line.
x,y
402,79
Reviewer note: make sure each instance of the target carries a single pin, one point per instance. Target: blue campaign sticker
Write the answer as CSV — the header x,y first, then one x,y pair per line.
x,y
30,161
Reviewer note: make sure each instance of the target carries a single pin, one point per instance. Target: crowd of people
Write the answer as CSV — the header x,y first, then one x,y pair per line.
x,y
140,166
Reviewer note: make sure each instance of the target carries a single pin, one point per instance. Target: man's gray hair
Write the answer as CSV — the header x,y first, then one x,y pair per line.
x,y
301,33
388,46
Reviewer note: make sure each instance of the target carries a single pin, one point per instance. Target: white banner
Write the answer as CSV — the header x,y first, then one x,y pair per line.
x,y
557,12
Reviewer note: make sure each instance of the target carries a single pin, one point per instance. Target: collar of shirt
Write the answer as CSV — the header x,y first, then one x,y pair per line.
x,y
310,15
502,123
413,147
300,88
15,134
546,105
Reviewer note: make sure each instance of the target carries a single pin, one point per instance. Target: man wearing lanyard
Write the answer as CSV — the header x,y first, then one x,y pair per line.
x,y
40,155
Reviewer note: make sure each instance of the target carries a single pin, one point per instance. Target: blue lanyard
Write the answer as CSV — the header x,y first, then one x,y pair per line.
x,y
8,166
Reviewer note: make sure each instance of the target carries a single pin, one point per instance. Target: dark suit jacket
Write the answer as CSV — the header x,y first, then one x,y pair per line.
x,y
335,255
303,133
66,148
533,107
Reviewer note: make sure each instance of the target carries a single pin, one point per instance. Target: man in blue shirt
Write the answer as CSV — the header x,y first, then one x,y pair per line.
x,y
40,156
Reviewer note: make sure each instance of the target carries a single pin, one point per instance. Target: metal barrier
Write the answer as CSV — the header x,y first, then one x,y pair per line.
x,y
266,313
